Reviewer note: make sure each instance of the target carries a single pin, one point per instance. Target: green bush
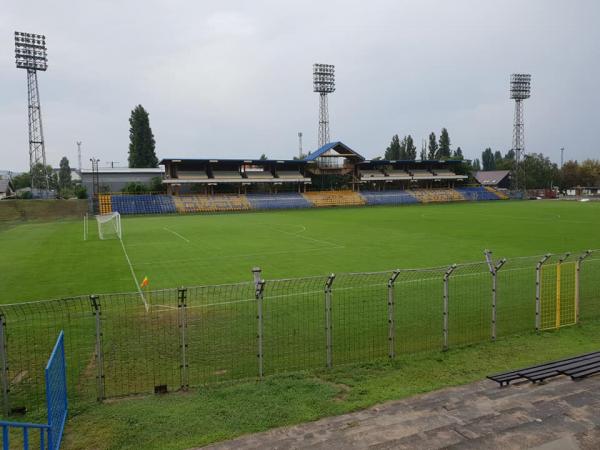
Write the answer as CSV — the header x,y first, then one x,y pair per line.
x,y
80,192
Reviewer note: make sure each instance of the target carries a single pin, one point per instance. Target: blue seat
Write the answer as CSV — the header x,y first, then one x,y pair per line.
x,y
388,197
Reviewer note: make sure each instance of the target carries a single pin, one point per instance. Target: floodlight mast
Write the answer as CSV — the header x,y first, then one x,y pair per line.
x,y
520,89
31,54
323,83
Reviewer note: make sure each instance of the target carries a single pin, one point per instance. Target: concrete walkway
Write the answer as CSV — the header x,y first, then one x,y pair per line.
x,y
559,415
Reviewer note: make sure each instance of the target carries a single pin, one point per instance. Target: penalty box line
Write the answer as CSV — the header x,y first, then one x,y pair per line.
x,y
139,289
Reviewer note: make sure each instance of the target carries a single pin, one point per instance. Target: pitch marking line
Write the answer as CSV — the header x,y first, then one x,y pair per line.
x,y
176,234
133,275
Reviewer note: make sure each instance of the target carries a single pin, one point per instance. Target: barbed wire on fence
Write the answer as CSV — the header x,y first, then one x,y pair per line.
x,y
193,336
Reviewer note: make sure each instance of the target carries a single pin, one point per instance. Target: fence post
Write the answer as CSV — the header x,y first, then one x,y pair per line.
x,y
328,325
97,310
494,268
4,367
577,270
259,286
558,288
391,322
538,290
446,295
182,308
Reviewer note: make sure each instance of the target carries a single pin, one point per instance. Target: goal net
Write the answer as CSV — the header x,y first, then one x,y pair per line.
x,y
109,226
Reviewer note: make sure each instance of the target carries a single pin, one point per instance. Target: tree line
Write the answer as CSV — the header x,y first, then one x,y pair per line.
x,y
405,149
537,171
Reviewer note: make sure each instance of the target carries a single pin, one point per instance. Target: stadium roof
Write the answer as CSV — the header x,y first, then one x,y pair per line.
x,y
413,161
491,177
128,170
233,161
337,149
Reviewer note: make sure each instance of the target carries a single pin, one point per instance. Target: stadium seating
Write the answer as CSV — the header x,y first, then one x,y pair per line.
x,y
105,204
278,201
422,175
494,191
375,175
388,197
211,203
437,195
189,175
166,204
142,204
291,175
262,175
477,193
398,175
226,175
334,198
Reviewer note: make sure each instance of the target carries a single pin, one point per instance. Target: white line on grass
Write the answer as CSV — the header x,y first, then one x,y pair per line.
x,y
133,275
176,234
308,238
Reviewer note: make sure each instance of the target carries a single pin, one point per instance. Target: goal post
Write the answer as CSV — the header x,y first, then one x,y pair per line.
x,y
109,226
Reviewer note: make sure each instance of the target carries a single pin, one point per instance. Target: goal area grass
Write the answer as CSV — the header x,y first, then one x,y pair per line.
x,y
50,259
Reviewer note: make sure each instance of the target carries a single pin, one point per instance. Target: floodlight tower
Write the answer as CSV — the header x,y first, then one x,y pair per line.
x,y
30,54
520,89
323,83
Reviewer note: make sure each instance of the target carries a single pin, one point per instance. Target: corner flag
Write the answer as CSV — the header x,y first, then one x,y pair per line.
x,y
144,282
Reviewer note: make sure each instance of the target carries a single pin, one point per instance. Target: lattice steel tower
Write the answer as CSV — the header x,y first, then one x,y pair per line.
x,y
30,54
520,89
323,83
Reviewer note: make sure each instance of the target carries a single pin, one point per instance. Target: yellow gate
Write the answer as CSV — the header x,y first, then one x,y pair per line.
x,y
558,293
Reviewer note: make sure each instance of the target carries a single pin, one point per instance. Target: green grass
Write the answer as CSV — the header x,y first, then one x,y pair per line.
x,y
50,260
199,417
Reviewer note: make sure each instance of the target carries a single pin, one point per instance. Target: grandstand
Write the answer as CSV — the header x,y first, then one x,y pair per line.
x,y
346,179
132,204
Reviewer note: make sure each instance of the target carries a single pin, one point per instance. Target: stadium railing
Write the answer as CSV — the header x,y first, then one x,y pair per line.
x,y
48,436
193,336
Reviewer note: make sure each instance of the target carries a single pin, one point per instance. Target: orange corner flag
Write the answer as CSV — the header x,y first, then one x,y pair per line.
x,y
144,282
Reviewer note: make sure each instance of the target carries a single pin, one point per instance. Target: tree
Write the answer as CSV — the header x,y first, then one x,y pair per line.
x,y
487,159
498,158
141,140
41,176
433,147
263,157
570,175
444,145
393,150
458,154
590,172
537,172
476,165
64,174
410,150
423,154
23,180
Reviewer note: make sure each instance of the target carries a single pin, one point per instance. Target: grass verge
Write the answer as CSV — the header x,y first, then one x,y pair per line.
x,y
215,413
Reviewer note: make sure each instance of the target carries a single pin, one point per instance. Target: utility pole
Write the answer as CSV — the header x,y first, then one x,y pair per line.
x,y
79,155
299,144
562,156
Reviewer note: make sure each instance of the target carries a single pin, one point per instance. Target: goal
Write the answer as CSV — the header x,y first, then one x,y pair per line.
x,y
109,226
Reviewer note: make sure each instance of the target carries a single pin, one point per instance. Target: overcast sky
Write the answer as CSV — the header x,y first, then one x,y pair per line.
x,y
234,79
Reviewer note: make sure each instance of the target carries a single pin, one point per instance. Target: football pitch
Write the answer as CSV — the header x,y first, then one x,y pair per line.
x,y
51,260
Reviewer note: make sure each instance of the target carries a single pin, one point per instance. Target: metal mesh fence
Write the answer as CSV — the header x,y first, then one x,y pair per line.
x,y
116,345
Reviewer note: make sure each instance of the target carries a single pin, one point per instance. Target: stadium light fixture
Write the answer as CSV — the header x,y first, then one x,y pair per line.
x,y
30,51
520,86
323,78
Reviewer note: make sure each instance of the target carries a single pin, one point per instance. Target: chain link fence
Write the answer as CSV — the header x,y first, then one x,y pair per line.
x,y
191,336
